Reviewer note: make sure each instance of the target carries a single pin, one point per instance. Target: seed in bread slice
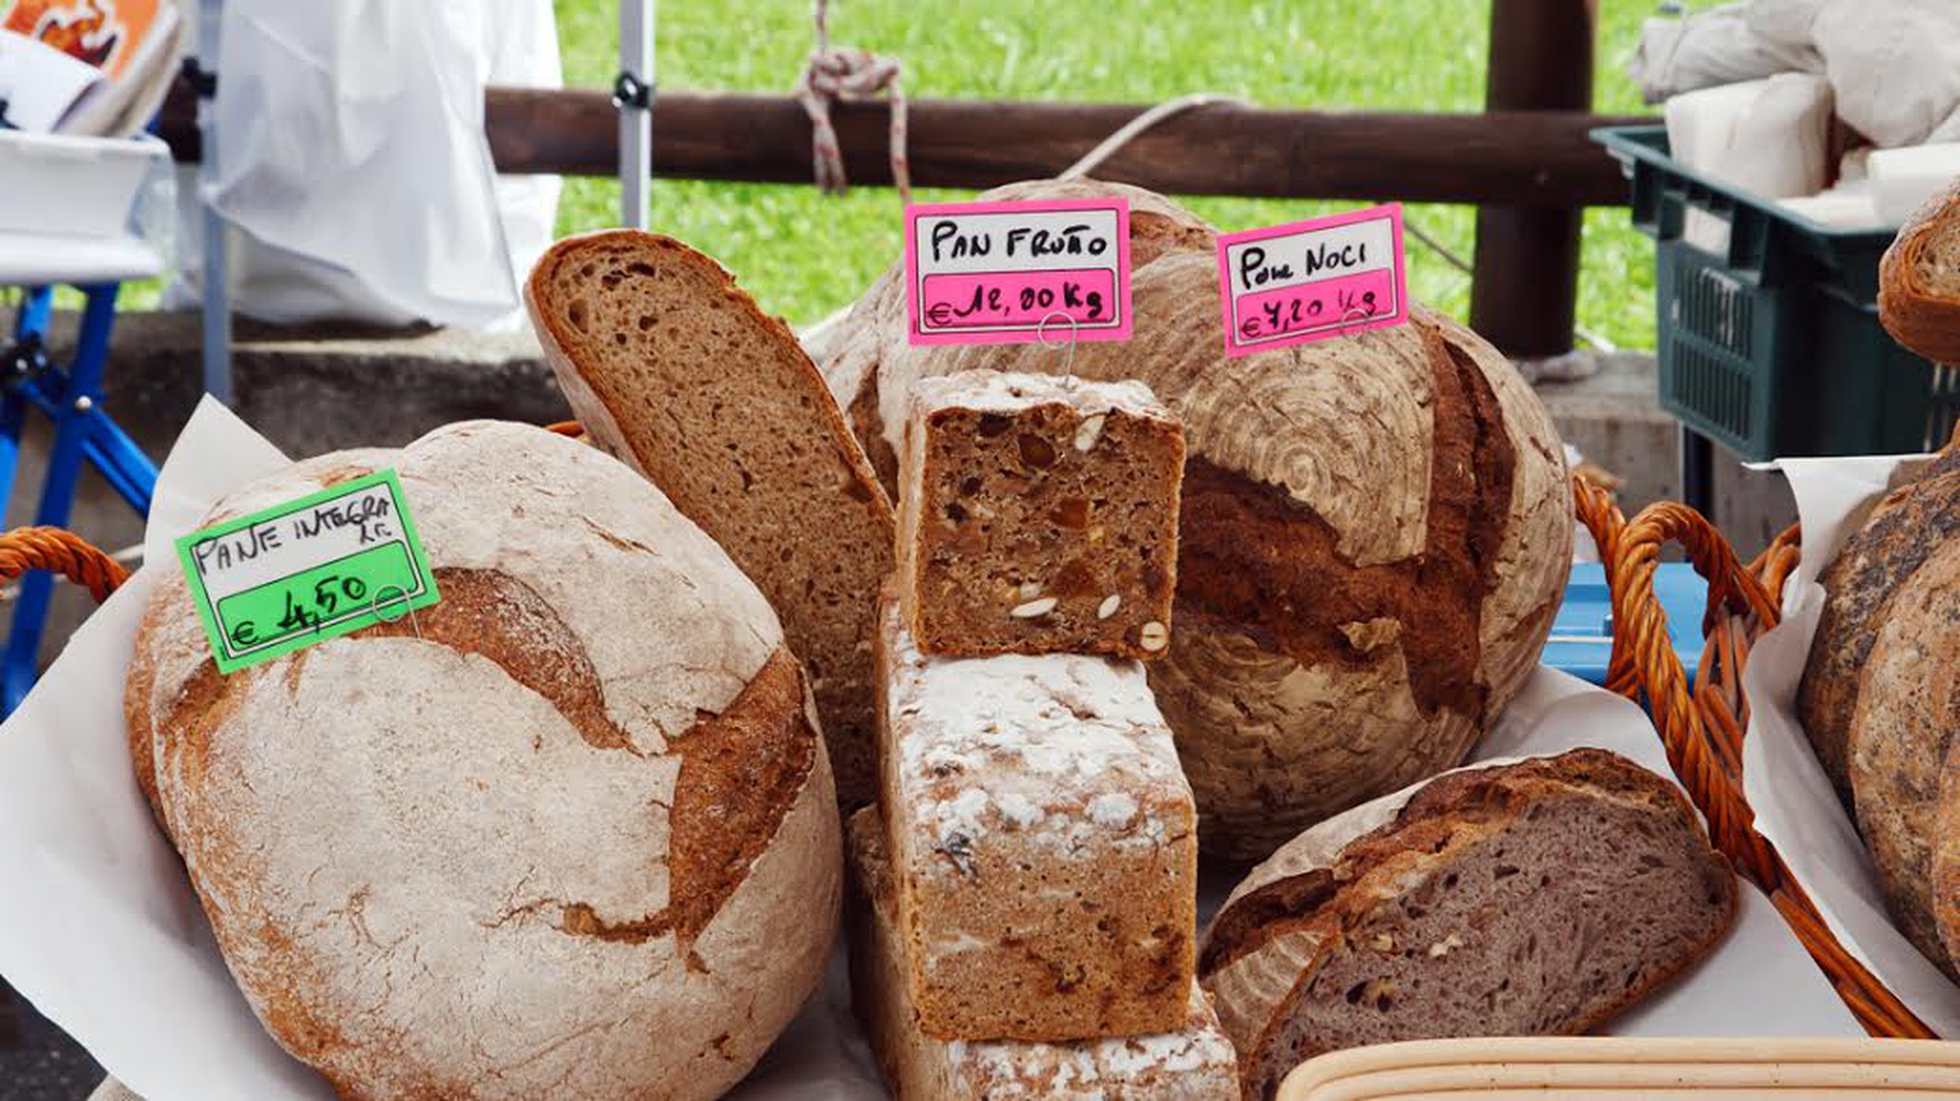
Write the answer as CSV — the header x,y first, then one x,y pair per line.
x,y
1536,897
674,370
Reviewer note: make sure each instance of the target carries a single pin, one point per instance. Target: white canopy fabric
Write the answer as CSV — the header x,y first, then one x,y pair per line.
x,y
351,155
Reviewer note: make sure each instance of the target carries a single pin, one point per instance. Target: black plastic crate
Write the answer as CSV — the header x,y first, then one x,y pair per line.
x,y
1769,335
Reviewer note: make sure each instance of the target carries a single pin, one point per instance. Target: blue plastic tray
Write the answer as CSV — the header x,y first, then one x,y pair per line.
x,y
1582,635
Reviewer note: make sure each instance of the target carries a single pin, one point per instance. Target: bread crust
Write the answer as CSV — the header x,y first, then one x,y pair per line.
x,y
1343,469
1924,318
1904,528
828,610
1286,920
570,831
1903,736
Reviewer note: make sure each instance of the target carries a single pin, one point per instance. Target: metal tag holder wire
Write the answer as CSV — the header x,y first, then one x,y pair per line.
x,y
375,605
1068,353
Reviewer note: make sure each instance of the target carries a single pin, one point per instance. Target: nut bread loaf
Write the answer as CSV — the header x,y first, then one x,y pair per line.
x,y
1194,1063
568,833
1374,534
674,370
1038,515
1906,526
1539,896
1919,280
1043,842
1901,754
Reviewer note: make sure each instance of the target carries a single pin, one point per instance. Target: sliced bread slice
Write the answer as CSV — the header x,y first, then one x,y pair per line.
x,y
1536,897
1919,280
675,371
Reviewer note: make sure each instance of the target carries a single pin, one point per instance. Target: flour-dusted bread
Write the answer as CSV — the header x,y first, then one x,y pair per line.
x,y
1919,280
1902,739
569,833
674,370
1043,841
1194,1063
1374,535
1508,899
1905,527
1038,515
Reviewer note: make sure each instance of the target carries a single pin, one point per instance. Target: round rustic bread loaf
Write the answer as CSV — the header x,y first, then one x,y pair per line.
x,y
1374,539
1906,526
1903,734
569,833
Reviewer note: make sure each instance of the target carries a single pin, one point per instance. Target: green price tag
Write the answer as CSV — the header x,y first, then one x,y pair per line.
x,y
306,571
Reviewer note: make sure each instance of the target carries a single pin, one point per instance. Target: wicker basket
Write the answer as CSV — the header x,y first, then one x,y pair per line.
x,y
1702,730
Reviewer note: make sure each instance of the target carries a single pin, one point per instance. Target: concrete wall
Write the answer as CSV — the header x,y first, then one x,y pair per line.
x,y
315,391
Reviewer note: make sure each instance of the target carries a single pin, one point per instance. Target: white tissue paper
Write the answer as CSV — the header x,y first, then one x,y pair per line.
x,y
1796,807
101,931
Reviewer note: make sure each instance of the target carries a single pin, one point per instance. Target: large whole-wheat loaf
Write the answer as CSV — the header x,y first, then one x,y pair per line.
x,y
674,370
1919,280
1901,754
1529,897
568,833
1906,526
1375,530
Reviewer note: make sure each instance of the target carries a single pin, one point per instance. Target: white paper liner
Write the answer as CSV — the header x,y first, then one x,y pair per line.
x,y
1796,807
100,930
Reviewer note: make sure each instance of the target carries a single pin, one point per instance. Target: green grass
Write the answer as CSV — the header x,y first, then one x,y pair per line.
x,y
803,254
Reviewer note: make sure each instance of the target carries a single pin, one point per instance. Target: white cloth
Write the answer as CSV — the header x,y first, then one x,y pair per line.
x,y
1768,137
351,154
1894,64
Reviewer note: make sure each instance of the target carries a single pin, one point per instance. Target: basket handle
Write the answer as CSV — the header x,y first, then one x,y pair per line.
x,y
64,552
1703,731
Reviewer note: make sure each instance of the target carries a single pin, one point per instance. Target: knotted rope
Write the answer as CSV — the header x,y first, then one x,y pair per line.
x,y
836,73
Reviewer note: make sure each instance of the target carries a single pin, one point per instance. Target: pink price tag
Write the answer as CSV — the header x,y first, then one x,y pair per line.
x,y
1310,280
1017,272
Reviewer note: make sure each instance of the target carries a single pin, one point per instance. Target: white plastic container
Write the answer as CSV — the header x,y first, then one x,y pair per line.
x,y
69,208
60,186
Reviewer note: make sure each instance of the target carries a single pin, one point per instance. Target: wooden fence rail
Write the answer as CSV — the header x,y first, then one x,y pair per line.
x,y
1523,158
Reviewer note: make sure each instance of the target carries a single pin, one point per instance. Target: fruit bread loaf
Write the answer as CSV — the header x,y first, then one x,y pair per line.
x,y
1906,526
1194,1063
1532,897
1038,515
1373,540
1901,754
568,833
1043,841
1919,280
673,369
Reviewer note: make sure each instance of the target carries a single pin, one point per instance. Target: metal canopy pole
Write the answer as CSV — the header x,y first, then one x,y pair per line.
x,y
217,267
633,95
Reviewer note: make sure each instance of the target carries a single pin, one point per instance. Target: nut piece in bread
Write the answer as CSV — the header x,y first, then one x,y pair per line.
x,y
1194,1063
1919,280
1374,533
1038,516
674,370
1044,843
569,833
1906,526
1505,899
1902,740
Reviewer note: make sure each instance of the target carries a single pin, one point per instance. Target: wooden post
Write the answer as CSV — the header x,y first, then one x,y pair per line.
x,y
1525,283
